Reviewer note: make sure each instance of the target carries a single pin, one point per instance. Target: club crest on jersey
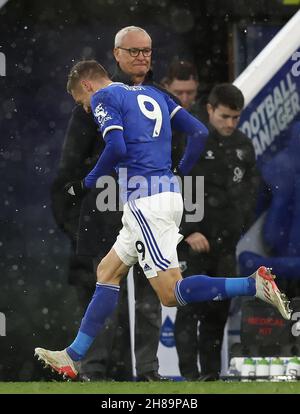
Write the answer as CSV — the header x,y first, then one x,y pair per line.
x,y
101,114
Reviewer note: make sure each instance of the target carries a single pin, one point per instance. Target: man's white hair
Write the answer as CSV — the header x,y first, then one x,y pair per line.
x,y
121,33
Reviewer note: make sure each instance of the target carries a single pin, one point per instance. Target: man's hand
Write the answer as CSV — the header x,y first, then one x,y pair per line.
x,y
198,242
76,188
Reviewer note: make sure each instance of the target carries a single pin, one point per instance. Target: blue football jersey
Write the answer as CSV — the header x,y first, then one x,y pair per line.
x,y
143,113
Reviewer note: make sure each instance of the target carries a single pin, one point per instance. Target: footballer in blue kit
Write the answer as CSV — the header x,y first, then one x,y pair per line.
x,y
142,114
135,122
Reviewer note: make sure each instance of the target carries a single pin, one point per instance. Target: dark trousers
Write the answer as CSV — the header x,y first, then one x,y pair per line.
x,y
147,323
203,342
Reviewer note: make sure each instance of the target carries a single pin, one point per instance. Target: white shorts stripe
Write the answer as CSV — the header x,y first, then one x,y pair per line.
x,y
155,247
158,263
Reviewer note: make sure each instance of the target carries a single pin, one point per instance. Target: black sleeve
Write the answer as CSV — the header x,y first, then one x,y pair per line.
x,y
187,228
81,148
77,153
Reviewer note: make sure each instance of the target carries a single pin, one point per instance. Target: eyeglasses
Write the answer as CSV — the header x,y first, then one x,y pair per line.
x,y
135,51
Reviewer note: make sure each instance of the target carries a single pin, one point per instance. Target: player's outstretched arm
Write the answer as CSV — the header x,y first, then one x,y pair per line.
x,y
114,151
197,134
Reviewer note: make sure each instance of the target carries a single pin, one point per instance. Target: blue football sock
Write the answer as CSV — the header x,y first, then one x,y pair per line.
x,y
100,308
200,288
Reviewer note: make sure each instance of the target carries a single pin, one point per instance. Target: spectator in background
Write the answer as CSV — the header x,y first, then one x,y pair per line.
x,y
182,82
97,231
230,185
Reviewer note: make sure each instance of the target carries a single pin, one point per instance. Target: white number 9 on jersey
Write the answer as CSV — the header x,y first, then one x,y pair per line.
x,y
154,114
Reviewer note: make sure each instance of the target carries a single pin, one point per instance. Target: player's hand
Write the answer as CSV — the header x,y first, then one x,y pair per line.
x,y
198,242
76,188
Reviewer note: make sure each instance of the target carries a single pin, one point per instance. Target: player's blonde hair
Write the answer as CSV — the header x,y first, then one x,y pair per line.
x,y
89,69
123,32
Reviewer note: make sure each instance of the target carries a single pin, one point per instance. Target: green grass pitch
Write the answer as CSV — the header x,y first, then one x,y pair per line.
x,y
218,387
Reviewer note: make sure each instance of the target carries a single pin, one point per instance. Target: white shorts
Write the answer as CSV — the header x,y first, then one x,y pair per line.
x,y
150,232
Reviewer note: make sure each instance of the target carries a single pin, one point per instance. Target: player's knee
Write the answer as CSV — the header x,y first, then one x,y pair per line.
x,y
168,298
103,272
169,302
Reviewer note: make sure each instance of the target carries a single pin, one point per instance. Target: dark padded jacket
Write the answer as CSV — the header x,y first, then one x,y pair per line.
x,y
231,182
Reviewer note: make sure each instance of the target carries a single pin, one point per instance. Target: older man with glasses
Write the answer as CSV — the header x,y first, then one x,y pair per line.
x,y
134,61
134,51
